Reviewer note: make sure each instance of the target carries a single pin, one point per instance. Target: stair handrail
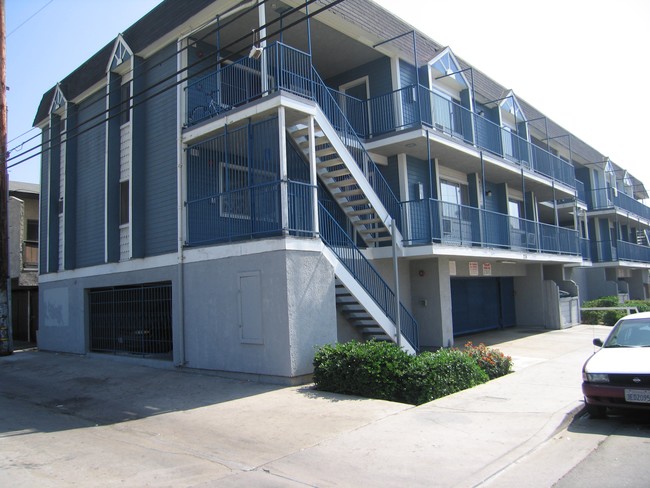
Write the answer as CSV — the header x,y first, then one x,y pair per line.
x,y
342,245
355,146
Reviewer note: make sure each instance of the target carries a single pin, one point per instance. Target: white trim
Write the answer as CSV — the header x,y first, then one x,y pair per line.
x,y
396,79
119,41
356,82
402,175
58,100
132,265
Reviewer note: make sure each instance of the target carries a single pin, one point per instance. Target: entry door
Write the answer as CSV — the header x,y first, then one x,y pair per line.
x,y
356,112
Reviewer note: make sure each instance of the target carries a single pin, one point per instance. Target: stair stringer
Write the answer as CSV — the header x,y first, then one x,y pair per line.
x,y
365,300
357,174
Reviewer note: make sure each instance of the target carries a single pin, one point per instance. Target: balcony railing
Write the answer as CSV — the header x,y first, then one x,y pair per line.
x,y
367,276
250,213
609,250
607,198
430,220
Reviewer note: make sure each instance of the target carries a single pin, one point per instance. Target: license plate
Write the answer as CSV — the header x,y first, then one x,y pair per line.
x,y
637,396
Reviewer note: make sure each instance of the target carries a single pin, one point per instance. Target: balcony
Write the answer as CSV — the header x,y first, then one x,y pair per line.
x,y
434,221
614,251
609,198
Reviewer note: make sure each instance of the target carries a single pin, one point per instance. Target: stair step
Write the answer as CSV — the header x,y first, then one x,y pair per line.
x,y
376,230
378,239
335,173
348,193
329,163
353,203
300,132
325,152
363,211
342,183
319,140
374,220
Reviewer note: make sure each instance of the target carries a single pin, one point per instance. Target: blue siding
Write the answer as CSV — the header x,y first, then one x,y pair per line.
x,y
44,197
391,175
378,73
418,172
407,74
160,155
91,153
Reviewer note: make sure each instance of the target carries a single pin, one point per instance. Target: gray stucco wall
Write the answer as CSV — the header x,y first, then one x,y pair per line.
x,y
16,208
63,306
298,312
296,304
530,298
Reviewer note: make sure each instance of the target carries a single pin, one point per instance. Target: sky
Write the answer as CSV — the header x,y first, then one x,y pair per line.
x,y
583,63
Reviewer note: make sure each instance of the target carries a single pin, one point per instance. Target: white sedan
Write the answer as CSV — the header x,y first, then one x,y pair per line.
x,y
618,374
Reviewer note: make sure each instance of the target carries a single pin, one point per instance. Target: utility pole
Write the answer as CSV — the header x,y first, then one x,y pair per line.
x,y
5,327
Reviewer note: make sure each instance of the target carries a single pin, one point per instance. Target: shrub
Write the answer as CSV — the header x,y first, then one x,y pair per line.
x,y
434,375
382,370
597,316
372,369
492,361
610,317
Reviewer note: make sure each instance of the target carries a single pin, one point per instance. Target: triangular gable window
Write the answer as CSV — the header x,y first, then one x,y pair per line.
x,y
446,65
121,53
627,180
511,106
58,100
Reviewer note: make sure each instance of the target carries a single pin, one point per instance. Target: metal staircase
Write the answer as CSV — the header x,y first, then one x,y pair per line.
x,y
347,184
362,295
357,315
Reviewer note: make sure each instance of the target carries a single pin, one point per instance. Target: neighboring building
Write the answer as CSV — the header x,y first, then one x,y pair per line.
x,y
23,259
229,201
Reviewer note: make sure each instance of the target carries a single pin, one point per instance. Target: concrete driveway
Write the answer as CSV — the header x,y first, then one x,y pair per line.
x,y
100,421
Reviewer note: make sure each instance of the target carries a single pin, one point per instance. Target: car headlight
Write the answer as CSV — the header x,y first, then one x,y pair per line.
x,y
595,377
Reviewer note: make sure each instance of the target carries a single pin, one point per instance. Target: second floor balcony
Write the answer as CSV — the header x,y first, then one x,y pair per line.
x,y
434,221
610,198
617,250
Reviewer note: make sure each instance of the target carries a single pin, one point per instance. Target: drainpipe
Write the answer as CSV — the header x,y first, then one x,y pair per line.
x,y
180,154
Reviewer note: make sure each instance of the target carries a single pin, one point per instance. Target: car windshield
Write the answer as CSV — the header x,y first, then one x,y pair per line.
x,y
630,333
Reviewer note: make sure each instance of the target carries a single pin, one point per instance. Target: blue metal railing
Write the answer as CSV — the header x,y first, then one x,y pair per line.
x,y
605,198
432,220
420,105
355,147
585,249
366,275
249,213
608,250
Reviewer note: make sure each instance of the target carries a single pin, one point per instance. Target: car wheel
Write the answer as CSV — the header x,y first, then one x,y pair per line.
x,y
596,411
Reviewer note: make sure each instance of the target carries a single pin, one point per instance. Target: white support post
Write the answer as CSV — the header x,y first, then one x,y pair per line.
x,y
284,177
398,322
313,177
262,34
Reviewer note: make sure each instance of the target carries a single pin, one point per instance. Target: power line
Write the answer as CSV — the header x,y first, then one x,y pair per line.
x,y
103,113
30,18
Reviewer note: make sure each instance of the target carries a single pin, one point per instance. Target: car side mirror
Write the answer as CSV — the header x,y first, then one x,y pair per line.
x,y
598,342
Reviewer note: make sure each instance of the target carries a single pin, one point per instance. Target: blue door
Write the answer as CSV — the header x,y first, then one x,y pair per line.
x,y
480,304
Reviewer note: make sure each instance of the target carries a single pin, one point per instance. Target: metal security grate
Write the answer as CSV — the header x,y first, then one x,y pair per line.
x,y
132,320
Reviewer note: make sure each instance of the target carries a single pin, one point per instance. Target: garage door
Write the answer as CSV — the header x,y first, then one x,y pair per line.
x,y
480,304
133,320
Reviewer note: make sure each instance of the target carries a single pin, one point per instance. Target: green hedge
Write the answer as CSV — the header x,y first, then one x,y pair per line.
x,y
610,317
382,370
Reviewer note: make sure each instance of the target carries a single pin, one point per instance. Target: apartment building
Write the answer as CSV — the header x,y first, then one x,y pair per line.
x,y
229,184
23,259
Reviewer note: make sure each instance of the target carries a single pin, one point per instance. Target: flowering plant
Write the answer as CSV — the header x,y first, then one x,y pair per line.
x,y
492,361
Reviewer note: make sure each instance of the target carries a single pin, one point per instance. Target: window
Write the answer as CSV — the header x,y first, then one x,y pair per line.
x,y
239,186
32,230
124,202
125,106
515,212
